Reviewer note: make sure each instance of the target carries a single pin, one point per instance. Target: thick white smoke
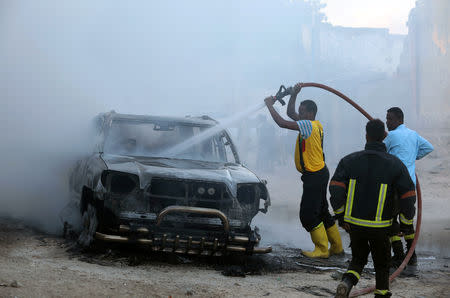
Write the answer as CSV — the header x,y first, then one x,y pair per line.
x,y
62,63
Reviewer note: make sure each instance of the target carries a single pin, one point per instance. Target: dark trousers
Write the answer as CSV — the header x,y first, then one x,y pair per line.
x,y
314,204
376,241
397,245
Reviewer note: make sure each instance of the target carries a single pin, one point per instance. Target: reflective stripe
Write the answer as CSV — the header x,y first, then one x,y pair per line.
x,y
337,183
404,220
381,292
356,274
350,195
368,223
381,199
410,236
377,223
318,226
409,194
340,210
395,238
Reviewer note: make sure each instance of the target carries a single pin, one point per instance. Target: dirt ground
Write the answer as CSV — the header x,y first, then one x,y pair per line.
x,y
35,264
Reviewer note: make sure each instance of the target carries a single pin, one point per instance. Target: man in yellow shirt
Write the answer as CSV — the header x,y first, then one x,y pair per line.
x,y
310,161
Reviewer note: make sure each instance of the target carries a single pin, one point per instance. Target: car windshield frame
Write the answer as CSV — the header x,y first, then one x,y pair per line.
x,y
130,137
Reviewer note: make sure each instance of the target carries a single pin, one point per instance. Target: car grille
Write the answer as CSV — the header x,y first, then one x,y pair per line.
x,y
165,192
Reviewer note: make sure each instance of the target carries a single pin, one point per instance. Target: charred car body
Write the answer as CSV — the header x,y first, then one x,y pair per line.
x,y
150,184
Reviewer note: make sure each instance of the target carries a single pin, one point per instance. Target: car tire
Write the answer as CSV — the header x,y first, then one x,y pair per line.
x,y
89,223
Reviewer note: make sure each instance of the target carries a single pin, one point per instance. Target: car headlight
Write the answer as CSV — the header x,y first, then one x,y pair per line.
x,y
248,193
119,182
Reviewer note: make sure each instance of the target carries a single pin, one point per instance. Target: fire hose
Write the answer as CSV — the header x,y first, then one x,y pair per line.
x,y
282,92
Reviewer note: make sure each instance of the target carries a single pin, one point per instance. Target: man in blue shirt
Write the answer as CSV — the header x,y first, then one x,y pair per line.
x,y
408,146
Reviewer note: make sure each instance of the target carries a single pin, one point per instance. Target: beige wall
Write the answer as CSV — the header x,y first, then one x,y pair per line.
x,y
426,60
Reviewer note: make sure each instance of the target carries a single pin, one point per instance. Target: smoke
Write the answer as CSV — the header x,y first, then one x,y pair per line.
x,y
62,63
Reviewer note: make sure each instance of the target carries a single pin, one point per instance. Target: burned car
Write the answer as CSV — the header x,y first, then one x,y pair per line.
x,y
172,184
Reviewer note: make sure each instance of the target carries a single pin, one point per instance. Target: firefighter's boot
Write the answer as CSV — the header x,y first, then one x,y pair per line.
x,y
382,293
320,240
344,288
413,260
335,240
399,254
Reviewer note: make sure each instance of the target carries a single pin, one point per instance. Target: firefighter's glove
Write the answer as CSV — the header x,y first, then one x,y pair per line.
x,y
343,224
406,229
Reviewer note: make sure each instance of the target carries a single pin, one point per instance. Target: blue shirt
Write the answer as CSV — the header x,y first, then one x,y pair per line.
x,y
408,146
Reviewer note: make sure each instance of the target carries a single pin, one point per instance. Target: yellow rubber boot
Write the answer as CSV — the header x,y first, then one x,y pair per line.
x,y
320,240
335,239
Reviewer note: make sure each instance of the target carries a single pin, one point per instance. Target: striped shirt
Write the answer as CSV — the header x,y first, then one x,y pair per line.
x,y
305,128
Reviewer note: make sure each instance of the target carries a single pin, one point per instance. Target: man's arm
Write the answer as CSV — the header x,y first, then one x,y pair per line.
x,y
425,147
338,189
388,142
291,104
407,196
277,118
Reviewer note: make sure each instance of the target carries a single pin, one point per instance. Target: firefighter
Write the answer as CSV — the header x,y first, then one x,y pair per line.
x,y
363,198
408,146
309,160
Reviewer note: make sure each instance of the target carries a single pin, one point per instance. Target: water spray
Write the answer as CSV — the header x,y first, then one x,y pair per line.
x,y
179,148
183,146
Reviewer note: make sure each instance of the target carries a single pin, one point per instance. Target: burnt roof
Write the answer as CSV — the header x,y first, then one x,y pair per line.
x,y
203,120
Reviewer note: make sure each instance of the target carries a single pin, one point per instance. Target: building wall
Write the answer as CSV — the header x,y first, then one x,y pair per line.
x,y
361,49
426,60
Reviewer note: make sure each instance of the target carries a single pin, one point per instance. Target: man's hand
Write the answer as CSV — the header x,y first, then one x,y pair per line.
x,y
406,229
297,88
269,100
343,224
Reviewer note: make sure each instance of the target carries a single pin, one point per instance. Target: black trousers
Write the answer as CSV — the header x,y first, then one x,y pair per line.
x,y
314,204
373,240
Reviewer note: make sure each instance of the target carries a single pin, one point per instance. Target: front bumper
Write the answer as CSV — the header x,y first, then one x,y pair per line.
x,y
185,241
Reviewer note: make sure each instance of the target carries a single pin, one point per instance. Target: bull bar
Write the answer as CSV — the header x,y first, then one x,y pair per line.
x,y
186,244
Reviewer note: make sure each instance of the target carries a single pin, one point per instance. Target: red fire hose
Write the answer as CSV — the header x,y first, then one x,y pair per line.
x,y
363,291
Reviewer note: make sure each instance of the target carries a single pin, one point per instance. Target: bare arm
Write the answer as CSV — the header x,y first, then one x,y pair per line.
x,y
291,104
277,118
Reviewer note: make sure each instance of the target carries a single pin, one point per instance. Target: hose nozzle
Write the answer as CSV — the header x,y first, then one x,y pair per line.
x,y
282,92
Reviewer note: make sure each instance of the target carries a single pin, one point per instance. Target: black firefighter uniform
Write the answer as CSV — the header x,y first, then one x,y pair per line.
x,y
368,189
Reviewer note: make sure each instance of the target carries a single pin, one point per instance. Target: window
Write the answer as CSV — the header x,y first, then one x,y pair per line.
x,y
158,139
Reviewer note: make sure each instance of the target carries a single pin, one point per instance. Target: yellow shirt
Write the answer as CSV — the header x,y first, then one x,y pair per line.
x,y
310,138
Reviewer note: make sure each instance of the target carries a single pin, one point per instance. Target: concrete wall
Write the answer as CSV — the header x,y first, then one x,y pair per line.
x,y
425,61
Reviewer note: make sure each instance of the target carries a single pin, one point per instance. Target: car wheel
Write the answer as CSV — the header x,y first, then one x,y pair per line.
x,y
90,223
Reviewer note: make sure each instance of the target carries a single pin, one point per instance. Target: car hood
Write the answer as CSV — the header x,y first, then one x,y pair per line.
x,y
148,167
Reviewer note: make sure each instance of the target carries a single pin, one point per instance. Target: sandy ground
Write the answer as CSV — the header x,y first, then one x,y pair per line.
x,y
35,264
